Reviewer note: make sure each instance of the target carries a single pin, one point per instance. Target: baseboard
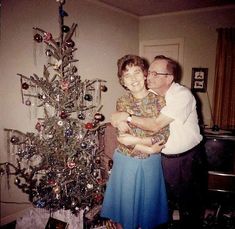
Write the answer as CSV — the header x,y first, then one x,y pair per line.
x,y
12,217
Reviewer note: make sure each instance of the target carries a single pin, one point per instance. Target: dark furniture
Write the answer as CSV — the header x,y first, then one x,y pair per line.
x,y
220,151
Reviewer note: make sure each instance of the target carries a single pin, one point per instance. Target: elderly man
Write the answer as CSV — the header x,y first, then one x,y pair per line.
x,y
183,154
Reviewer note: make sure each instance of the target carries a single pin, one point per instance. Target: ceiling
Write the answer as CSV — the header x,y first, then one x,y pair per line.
x,y
154,7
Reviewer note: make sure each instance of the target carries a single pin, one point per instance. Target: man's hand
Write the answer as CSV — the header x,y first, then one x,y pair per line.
x,y
118,117
157,147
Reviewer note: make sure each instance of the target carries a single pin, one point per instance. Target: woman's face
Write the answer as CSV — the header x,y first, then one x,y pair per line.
x,y
133,78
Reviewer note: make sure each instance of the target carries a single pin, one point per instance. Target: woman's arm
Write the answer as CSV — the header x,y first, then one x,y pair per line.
x,y
141,145
130,140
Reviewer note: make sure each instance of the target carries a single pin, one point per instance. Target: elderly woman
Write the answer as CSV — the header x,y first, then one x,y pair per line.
x,y
135,196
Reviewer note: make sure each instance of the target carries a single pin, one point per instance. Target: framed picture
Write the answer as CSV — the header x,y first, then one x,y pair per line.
x,y
199,79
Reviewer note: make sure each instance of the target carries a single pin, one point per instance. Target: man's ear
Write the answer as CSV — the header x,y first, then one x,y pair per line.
x,y
170,79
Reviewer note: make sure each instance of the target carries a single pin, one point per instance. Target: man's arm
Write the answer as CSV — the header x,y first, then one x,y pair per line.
x,y
153,124
156,148
141,145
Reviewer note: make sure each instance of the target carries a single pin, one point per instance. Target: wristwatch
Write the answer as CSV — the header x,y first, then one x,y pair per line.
x,y
129,118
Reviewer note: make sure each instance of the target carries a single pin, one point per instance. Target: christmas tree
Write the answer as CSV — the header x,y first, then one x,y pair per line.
x,y
59,165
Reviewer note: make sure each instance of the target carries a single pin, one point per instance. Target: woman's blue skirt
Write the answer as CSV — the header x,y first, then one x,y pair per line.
x,y
135,195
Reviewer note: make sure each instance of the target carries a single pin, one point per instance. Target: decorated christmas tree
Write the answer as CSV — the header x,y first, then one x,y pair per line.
x,y
59,166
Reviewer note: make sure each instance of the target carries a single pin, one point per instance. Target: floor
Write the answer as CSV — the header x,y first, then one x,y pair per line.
x,y
225,222
9,226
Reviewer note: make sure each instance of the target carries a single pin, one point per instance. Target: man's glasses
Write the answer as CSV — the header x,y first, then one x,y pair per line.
x,y
157,74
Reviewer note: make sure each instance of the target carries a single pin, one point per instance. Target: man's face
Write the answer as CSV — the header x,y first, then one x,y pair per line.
x,y
159,78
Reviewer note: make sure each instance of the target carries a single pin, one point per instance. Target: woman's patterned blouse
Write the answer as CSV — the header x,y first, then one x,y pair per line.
x,y
147,107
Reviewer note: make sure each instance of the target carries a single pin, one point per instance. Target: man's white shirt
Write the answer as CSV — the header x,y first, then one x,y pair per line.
x,y
184,130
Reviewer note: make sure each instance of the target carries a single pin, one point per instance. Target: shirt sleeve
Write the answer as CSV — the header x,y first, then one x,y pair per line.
x,y
179,105
120,105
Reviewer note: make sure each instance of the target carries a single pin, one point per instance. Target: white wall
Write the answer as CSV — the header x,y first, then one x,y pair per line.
x,y
198,29
103,36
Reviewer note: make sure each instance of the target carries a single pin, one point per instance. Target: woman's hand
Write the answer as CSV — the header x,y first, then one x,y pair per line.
x,y
117,117
123,127
128,139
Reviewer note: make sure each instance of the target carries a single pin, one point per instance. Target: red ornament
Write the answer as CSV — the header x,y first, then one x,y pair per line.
x,y
47,36
63,115
99,198
101,181
89,125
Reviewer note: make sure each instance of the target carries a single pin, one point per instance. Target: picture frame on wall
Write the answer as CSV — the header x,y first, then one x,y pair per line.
x,y
199,79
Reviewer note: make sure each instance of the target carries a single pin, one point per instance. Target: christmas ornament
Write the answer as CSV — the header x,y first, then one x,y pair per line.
x,y
88,97
81,116
38,126
38,38
89,125
60,123
63,115
97,160
47,36
65,29
28,102
83,145
39,96
48,52
74,69
68,132
69,44
90,186
25,86
99,117
17,181
59,165
103,88
14,140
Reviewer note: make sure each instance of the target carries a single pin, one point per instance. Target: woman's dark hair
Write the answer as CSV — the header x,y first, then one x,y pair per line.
x,y
130,60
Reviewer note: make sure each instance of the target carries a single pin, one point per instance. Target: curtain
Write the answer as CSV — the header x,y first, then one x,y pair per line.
x,y
224,84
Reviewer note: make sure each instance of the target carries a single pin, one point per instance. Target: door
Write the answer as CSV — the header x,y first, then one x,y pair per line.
x,y
172,48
